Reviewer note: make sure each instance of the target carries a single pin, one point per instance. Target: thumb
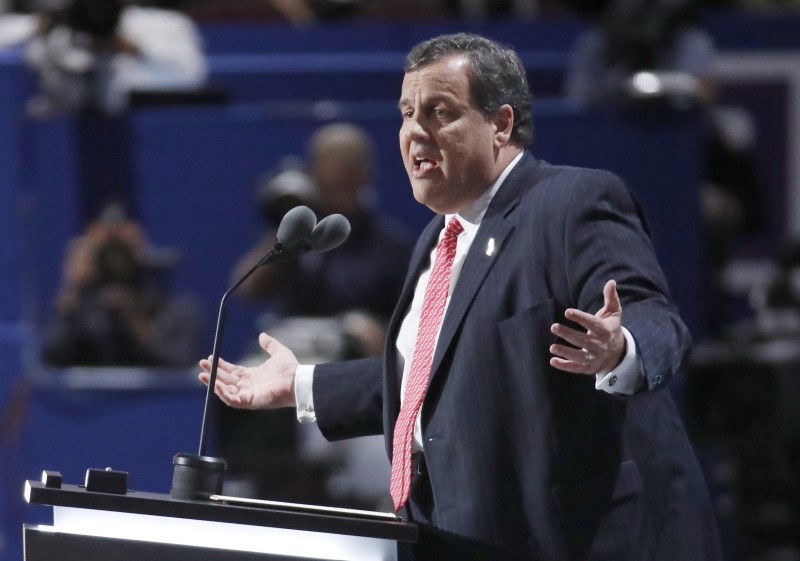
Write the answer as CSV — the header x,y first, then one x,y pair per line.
x,y
611,303
269,344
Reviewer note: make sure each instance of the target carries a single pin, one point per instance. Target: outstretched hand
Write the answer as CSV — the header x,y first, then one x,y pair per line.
x,y
598,349
267,386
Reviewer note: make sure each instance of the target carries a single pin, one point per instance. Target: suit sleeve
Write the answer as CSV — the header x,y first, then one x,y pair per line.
x,y
348,398
606,235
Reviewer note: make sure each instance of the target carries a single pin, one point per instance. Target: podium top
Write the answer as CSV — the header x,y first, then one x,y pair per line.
x,y
157,504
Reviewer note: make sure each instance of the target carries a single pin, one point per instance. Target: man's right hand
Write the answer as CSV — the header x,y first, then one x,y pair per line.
x,y
267,386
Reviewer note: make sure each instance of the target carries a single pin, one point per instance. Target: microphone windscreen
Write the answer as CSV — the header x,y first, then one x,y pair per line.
x,y
296,226
330,232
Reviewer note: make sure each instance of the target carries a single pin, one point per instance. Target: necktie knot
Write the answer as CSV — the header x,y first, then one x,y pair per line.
x,y
453,229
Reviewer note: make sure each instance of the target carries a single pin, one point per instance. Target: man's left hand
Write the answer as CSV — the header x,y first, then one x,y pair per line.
x,y
598,349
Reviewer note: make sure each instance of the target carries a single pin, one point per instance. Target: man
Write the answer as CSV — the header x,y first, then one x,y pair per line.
x,y
113,307
366,273
545,431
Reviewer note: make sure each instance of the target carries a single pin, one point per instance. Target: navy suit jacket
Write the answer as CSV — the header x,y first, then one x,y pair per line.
x,y
523,457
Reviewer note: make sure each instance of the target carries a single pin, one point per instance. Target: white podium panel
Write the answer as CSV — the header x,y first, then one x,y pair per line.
x,y
158,527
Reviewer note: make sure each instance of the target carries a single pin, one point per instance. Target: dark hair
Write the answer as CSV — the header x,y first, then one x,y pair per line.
x,y
639,34
497,76
98,18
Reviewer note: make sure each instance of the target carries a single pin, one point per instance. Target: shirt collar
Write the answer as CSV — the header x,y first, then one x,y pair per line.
x,y
471,215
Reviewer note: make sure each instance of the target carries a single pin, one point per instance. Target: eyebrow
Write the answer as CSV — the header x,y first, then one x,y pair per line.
x,y
432,100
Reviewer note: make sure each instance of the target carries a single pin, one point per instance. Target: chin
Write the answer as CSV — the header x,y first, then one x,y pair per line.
x,y
431,196
424,195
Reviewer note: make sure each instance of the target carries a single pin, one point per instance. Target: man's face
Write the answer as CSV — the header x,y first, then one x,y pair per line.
x,y
448,145
339,182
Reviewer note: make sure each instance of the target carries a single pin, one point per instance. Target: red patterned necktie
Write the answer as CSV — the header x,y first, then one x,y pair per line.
x,y
431,317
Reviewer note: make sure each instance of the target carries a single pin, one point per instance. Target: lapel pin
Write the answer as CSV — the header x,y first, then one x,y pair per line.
x,y
490,247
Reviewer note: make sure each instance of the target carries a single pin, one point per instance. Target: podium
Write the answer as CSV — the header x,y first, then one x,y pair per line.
x,y
95,526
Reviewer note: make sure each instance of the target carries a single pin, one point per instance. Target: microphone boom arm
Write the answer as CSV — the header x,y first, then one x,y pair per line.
x,y
298,224
277,254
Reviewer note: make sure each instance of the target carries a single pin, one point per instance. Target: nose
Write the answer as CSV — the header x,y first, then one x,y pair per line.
x,y
414,129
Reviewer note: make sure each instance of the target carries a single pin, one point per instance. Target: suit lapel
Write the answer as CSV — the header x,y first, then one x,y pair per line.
x,y
489,243
494,227
476,267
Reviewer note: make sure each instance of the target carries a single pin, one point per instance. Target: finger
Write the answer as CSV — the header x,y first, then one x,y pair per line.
x,y
205,377
578,356
227,377
594,324
585,320
576,338
568,366
225,394
222,366
225,364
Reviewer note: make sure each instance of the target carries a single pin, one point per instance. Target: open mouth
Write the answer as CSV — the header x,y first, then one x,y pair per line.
x,y
423,165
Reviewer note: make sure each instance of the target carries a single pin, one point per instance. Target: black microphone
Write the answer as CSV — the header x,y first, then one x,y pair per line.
x,y
197,476
294,231
331,232
296,226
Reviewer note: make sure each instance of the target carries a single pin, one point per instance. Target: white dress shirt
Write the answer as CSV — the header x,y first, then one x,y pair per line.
x,y
625,379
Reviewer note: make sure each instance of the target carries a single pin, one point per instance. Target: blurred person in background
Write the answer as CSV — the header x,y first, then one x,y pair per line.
x,y
488,9
15,27
639,35
331,306
768,5
655,53
91,54
311,12
366,273
112,308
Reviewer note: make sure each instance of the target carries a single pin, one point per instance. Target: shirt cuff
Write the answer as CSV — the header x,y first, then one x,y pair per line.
x,y
303,393
628,377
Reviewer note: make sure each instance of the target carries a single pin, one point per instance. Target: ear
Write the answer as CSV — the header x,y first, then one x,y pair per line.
x,y
503,120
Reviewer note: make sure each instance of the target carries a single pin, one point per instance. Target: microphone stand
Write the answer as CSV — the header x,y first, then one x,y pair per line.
x,y
278,253
197,476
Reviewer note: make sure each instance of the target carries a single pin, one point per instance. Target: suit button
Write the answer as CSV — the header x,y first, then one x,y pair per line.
x,y
612,381
657,379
